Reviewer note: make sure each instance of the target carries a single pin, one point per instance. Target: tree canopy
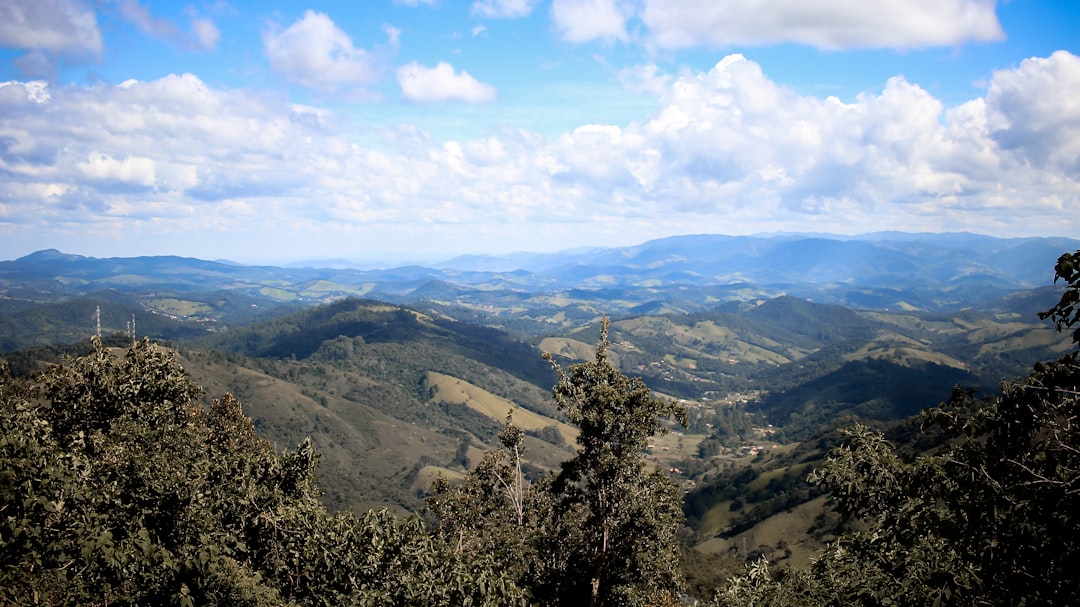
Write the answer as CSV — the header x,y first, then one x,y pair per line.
x,y
988,518
119,487
600,532
621,520
120,484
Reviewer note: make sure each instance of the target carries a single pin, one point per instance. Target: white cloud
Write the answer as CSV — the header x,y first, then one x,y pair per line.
x,y
585,20
826,24
49,30
317,53
133,170
645,78
441,83
206,34
14,91
54,26
1035,109
503,9
829,24
728,150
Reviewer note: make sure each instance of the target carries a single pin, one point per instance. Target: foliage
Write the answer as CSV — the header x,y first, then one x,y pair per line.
x,y
492,512
119,488
601,532
987,518
872,389
615,521
1067,311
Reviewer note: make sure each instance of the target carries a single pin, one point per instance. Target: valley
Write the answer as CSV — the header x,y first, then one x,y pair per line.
x,y
400,376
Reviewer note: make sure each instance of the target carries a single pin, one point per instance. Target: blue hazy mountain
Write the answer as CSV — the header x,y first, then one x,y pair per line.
x,y
880,270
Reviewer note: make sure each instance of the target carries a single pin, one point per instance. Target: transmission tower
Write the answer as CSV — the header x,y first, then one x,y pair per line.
x,y
97,317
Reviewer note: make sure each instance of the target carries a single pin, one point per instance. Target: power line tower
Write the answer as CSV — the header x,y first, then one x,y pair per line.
x,y
97,318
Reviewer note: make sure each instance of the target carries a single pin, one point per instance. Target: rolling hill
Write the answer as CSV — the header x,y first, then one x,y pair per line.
x,y
416,379
559,291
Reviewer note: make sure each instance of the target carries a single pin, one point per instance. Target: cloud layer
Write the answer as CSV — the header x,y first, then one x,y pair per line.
x,y
729,150
826,24
48,30
54,30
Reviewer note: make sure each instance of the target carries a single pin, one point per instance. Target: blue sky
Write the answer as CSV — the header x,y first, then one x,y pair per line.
x,y
417,130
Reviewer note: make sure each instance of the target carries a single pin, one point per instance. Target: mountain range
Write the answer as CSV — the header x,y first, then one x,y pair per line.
x,y
403,373
881,270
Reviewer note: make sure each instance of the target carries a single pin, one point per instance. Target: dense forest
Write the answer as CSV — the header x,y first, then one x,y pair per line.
x,y
121,486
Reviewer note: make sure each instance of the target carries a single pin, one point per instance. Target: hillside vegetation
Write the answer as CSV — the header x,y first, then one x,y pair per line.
x,y
397,398
119,487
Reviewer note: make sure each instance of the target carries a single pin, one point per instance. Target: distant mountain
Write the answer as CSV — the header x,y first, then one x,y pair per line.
x,y
401,374
392,394
884,271
875,260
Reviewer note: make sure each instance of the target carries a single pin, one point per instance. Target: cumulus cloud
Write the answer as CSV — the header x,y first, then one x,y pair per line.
x,y
133,170
585,20
1034,109
175,137
730,142
504,9
728,150
54,26
441,83
829,24
315,52
48,30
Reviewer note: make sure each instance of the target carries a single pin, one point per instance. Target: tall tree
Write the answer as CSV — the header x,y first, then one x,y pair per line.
x,y
614,523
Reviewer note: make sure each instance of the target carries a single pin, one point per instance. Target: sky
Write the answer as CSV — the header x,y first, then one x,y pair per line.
x,y
417,130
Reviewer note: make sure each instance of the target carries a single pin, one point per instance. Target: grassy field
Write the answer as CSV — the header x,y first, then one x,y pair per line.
x,y
786,539
178,307
453,390
568,348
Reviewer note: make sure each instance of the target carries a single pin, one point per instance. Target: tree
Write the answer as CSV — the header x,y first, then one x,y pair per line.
x,y
1067,311
602,531
613,529
117,487
989,517
492,511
